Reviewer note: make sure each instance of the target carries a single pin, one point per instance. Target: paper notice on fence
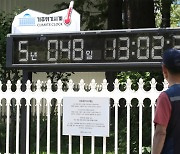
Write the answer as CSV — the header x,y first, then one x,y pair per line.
x,y
86,116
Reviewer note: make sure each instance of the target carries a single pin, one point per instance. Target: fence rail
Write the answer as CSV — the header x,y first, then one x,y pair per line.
x,y
39,104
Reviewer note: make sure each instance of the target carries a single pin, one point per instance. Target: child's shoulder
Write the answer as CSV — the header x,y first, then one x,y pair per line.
x,y
174,90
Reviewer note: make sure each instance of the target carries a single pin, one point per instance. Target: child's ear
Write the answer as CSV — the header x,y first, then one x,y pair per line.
x,y
165,72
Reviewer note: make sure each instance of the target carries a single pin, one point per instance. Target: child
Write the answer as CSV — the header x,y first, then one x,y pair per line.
x,y
167,115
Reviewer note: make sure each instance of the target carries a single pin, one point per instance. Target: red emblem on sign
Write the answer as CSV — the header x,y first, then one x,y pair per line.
x,y
67,20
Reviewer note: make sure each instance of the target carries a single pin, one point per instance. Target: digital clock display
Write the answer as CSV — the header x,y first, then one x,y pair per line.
x,y
92,50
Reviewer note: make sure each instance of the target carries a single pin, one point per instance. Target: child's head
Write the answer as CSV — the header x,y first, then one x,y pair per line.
x,y
171,65
171,60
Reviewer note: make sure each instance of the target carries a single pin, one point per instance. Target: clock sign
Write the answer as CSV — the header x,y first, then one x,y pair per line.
x,y
126,49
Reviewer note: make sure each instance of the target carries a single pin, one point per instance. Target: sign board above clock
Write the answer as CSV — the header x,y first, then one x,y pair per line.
x,y
33,22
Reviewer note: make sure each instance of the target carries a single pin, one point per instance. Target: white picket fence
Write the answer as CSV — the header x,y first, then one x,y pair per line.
x,y
95,90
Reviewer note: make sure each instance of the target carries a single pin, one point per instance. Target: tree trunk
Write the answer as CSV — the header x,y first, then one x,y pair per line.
x,y
139,13
166,7
127,14
115,14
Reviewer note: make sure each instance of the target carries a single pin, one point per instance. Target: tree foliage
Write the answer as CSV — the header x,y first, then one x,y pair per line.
x,y
175,15
93,13
5,28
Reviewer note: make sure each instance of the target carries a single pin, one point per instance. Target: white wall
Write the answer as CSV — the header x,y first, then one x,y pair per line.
x,y
87,76
45,6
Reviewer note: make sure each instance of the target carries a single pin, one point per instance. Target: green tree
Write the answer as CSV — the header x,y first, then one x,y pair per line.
x,y
175,15
5,28
167,13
